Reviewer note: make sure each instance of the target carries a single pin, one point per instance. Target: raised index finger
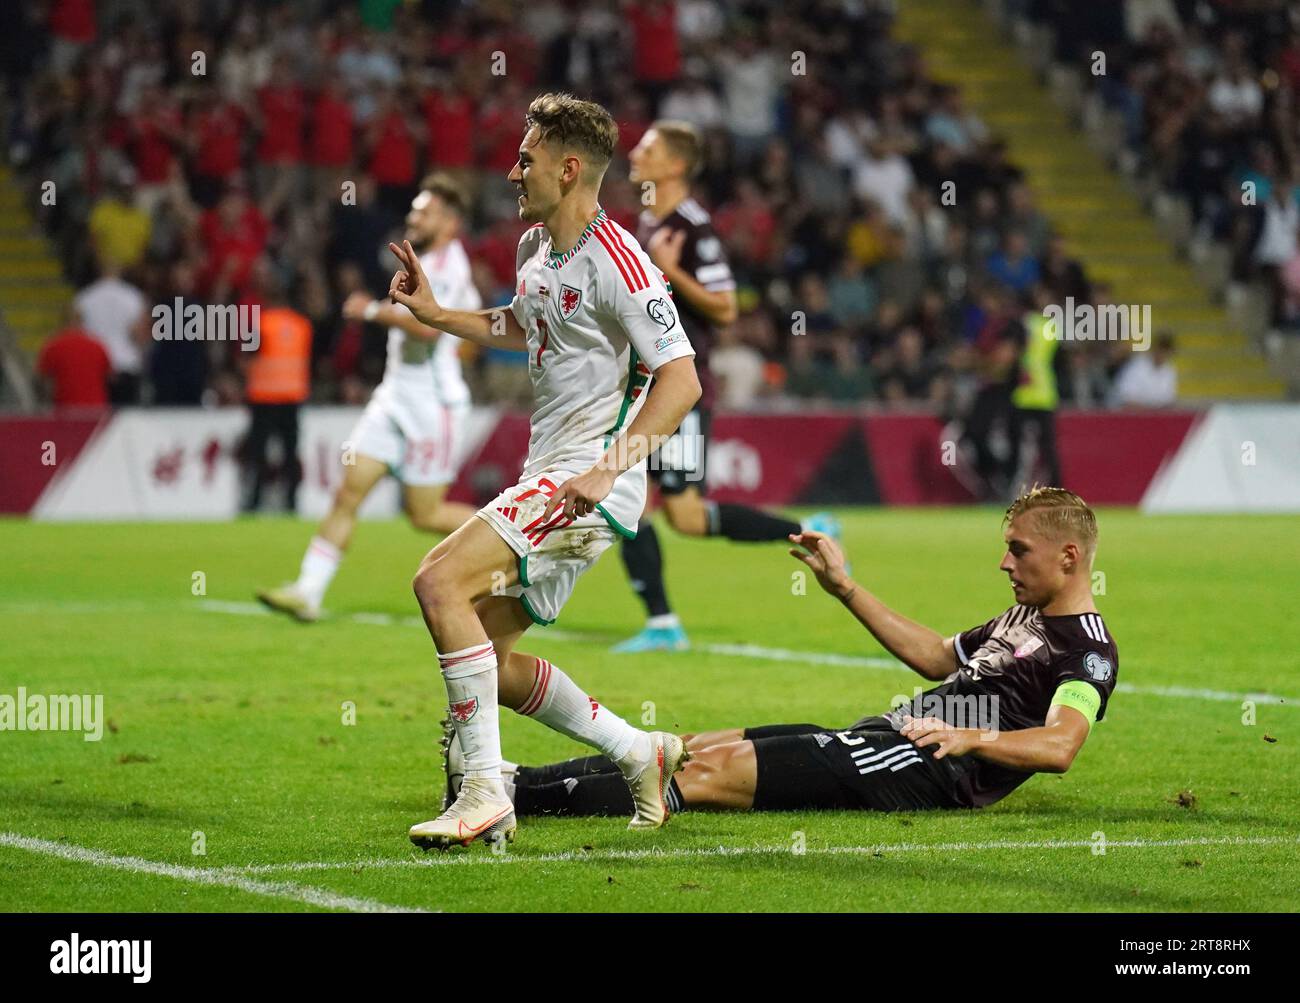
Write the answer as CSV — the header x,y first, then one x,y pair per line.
x,y
556,500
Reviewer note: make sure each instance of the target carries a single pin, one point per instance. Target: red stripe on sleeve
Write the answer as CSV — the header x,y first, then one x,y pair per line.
x,y
618,263
636,262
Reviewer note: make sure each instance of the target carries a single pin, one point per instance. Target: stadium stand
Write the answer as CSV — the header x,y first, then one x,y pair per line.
x,y
1194,104
832,131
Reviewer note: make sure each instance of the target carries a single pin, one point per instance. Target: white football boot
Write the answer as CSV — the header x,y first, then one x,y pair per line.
x,y
477,813
287,599
650,783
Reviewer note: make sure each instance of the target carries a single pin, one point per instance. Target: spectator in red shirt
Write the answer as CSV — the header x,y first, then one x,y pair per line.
x,y
499,129
633,120
216,137
657,59
72,23
1289,62
281,108
330,138
497,247
74,367
449,119
747,225
233,234
330,142
281,116
154,133
392,162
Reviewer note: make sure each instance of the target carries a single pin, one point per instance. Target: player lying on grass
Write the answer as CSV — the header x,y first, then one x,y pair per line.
x,y
1034,678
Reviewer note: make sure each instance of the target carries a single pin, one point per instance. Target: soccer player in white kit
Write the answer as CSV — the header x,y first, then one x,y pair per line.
x,y
613,374
413,424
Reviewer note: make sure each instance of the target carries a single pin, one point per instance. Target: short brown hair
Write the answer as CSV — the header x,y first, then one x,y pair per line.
x,y
575,124
1058,513
448,189
683,140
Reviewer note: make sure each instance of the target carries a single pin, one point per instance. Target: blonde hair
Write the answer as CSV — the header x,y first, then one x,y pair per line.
x,y
1059,514
683,141
447,188
574,124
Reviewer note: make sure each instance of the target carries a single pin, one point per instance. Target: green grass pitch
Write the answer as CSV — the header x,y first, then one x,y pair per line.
x,y
229,724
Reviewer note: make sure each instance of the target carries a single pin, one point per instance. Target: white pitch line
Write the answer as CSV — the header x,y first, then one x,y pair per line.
x,y
616,856
758,652
752,651
222,877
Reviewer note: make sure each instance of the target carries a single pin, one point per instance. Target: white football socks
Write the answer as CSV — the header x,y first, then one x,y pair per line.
x,y
556,701
318,566
471,677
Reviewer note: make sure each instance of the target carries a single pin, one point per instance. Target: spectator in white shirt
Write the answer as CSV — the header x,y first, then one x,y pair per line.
x,y
1148,379
751,83
886,178
1278,236
115,312
1236,96
738,368
693,101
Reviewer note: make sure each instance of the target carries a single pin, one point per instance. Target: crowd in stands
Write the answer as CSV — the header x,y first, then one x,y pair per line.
x,y
885,247
1210,96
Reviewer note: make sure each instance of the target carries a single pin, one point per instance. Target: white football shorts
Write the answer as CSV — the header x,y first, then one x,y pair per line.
x,y
554,553
414,434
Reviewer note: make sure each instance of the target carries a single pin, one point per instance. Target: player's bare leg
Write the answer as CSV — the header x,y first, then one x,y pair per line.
x,y
302,599
475,632
687,513
700,741
536,688
428,509
461,570
647,765
720,777
359,479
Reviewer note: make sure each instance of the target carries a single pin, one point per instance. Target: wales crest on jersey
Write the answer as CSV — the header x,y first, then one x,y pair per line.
x,y
570,300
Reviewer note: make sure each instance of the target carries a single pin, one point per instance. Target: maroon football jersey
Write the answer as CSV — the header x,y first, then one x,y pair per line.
x,y
704,257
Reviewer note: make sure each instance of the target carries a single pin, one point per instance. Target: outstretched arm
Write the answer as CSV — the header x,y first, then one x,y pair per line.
x,y
915,645
1049,749
494,328
359,306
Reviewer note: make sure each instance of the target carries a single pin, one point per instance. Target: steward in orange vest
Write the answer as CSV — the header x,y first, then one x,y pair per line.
x,y
280,372
278,381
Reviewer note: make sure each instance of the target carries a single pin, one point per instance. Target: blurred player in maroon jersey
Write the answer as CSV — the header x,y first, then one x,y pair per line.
x,y
678,235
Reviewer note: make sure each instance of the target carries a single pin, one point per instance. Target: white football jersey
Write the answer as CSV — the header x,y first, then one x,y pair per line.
x,y
599,321
433,367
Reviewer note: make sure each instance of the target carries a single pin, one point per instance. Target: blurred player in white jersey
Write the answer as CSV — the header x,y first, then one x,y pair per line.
x,y
613,374
413,424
